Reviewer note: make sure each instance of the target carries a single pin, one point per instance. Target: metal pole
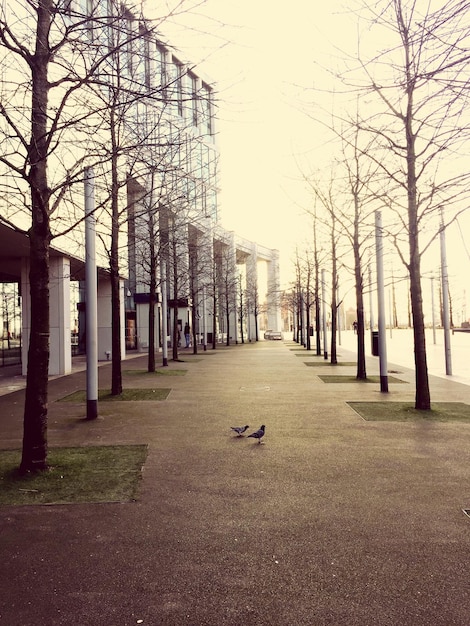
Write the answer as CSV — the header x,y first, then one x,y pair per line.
x,y
323,291
371,299
445,300
91,298
381,303
433,312
164,316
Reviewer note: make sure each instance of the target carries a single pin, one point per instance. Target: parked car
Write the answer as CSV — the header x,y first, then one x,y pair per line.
x,y
273,334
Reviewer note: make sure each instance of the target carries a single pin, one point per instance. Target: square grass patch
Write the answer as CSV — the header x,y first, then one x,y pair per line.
x,y
159,372
303,350
76,475
405,412
337,378
325,363
127,395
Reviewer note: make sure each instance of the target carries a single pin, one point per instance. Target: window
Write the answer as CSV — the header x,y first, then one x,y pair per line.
x,y
129,34
146,60
161,71
207,108
65,6
89,16
194,98
178,86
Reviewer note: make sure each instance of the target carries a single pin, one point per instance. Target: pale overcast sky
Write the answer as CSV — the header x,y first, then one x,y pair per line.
x,y
263,58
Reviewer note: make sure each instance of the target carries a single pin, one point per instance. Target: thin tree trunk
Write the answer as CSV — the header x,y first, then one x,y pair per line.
x,y
152,299
34,453
422,396
116,380
361,372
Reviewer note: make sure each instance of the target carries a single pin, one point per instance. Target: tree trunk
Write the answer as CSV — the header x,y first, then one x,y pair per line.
x,y
34,457
307,321
116,381
152,298
334,317
227,318
361,372
214,319
422,395
34,453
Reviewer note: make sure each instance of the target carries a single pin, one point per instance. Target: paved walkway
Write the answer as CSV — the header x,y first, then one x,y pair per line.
x,y
331,521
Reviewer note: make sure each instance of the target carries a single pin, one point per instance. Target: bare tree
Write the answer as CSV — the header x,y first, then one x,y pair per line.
x,y
46,51
59,57
227,285
417,88
329,196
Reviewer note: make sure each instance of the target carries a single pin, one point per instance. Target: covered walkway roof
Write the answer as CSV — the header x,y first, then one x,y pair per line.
x,y
15,245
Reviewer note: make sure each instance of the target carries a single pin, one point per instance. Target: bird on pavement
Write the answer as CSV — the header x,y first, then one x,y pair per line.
x,y
239,429
258,434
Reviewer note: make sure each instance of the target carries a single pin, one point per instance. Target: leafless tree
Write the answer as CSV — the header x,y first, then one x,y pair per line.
x,y
417,93
57,56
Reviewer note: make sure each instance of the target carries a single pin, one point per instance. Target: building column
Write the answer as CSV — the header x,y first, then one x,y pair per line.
x,y
252,294
274,292
60,344
104,320
233,285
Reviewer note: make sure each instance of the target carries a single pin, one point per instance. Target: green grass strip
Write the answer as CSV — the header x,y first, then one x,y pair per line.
x,y
332,378
158,372
85,474
405,412
127,395
326,363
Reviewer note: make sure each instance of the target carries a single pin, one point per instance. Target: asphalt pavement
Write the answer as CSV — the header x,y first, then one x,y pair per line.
x,y
330,520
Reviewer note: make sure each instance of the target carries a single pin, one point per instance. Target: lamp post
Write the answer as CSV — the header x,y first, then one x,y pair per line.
x,y
91,298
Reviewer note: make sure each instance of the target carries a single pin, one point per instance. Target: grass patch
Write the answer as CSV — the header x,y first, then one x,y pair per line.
x,y
302,350
127,395
337,378
405,412
326,363
160,372
91,474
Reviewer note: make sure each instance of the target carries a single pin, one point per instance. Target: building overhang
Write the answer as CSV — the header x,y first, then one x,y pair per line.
x,y
14,246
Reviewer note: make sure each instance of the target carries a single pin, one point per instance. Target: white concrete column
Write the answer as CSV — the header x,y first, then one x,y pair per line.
x,y
206,268
104,320
252,291
233,284
274,292
60,360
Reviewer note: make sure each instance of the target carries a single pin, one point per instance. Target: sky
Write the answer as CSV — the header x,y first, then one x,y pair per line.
x,y
264,59
257,54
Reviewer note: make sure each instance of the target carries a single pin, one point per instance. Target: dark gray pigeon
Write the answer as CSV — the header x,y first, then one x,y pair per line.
x,y
239,429
258,434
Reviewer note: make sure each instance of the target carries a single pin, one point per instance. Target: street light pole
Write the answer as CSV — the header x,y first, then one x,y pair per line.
x,y
91,290
381,303
445,299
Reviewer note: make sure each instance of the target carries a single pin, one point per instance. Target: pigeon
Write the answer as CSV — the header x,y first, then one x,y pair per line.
x,y
239,429
258,434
